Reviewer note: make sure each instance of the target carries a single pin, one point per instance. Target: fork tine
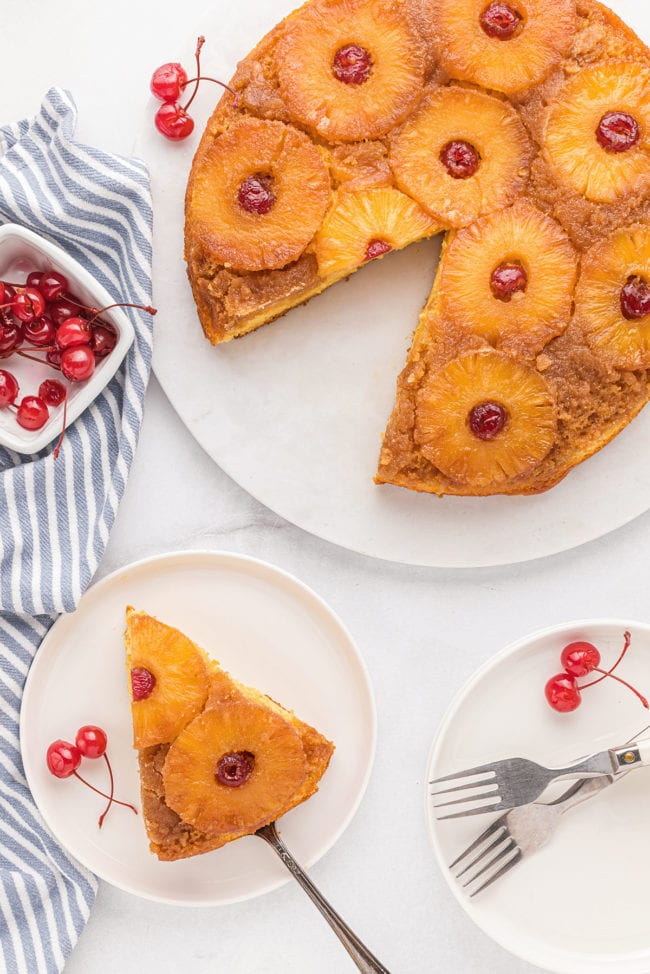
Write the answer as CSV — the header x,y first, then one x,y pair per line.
x,y
469,772
504,869
499,839
489,782
477,842
492,792
482,810
510,845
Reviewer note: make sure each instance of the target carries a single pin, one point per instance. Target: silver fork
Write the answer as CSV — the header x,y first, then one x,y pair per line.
x,y
518,834
365,961
512,782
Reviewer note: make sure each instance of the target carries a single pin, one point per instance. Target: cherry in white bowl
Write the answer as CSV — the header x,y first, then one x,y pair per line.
x,y
23,252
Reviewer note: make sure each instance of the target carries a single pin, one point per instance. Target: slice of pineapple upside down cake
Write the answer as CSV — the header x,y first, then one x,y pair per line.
x,y
218,760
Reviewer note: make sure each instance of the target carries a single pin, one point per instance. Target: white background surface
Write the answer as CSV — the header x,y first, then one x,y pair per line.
x,y
422,631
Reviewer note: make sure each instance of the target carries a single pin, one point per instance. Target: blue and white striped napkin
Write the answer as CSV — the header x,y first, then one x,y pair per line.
x,y
55,515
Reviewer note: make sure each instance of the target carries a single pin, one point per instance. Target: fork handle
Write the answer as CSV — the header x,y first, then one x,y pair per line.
x,y
365,961
636,753
582,791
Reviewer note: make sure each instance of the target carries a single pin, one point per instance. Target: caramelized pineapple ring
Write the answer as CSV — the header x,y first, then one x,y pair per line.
x,y
598,131
350,69
367,224
485,418
463,154
613,298
257,195
504,46
168,679
267,767
510,278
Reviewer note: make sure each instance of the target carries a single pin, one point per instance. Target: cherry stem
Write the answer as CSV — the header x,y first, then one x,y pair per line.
x,y
197,54
205,77
84,307
625,684
110,800
121,304
94,313
626,645
103,793
56,453
41,361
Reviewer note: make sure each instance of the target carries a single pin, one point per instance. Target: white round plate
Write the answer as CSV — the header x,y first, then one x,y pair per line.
x,y
266,628
579,906
295,412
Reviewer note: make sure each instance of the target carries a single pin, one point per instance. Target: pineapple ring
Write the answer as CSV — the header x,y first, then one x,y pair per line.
x,y
571,143
191,786
300,181
349,112
469,54
605,269
447,399
181,686
357,220
491,126
524,235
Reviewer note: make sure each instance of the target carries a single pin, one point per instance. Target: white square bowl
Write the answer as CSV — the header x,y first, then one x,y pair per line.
x,y
22,251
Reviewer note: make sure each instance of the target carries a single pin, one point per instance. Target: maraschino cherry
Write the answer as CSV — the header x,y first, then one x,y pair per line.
x,y
500,21
52,392
32,413
352,64
63,759
487,419
563,692
618,132
460,159
168,83
507,279
72,336
143,683
377,248
235,768
8,388
635,298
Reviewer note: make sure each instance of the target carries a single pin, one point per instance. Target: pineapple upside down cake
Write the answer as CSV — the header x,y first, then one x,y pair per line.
x,y
218,760
522,130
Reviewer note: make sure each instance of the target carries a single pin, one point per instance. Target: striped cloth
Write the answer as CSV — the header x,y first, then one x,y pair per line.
x,y
55,515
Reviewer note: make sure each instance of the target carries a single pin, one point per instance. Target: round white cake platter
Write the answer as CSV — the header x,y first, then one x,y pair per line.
x,y
294,413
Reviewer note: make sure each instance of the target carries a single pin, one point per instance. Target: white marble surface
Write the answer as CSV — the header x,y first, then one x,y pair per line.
x,y
422,632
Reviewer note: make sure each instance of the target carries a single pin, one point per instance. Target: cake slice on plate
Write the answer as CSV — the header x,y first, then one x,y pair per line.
x,y
218,760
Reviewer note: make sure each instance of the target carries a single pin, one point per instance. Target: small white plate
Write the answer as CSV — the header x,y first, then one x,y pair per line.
x,y
269,631
22,251
580,905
